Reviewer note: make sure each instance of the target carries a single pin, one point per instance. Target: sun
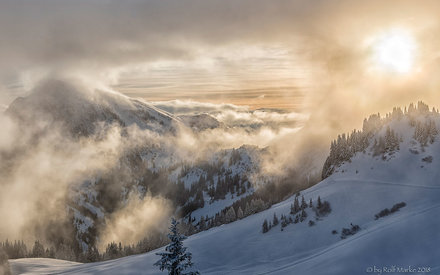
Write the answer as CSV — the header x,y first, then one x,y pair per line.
x,y
394,51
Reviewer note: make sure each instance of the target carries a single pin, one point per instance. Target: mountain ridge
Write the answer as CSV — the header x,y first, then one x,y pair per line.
x,y
78,110
361,186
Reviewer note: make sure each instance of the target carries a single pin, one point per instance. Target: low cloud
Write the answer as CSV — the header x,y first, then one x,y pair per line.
x,y
135,220
190,107
235,116
42,163
38,172
96,40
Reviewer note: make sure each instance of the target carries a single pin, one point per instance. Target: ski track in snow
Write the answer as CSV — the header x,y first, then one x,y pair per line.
x,y
347,241
283,264
390,183
356,192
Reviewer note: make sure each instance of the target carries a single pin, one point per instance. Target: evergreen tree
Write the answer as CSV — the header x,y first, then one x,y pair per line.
x,y
38,250
230,215
319,202
112,251
202,223
93,255
240,214
295,207
175,259
265,226
391,140
311,203
303,203
247,211
303,216
284,221
275,219
120,250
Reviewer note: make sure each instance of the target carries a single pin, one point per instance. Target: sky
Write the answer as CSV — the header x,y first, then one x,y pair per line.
x,y
324,64
286,54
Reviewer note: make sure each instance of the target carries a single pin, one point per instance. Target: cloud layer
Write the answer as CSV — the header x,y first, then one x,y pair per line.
x,y
318,45
324,44
45,167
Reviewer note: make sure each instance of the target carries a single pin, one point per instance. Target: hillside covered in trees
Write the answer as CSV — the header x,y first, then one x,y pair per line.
x,y
379,199
380,136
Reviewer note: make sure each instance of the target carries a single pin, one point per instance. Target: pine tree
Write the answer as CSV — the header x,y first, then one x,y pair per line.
x,y
175,259
38,250
230,215
275,219
240,214
92,255
295,207
265,226
319,202
311,203
284,221
303,216
120,250
112,251
202,223
303,203
247,211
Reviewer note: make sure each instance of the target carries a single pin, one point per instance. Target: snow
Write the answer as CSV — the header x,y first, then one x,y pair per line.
x,y
192,177
408,238
81,110
212,208
200,122
82,222
95,210
39,266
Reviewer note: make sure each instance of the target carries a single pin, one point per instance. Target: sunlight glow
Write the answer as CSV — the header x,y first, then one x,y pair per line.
x,y
394,51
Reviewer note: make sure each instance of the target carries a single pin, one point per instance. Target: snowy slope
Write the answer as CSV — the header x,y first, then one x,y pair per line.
x,y
200,122
83,112
408,237
243,163
79,110
357,190
402,239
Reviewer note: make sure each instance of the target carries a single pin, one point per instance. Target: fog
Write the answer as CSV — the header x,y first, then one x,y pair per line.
x,y
325,48
325,45
38,173
135,220
46,166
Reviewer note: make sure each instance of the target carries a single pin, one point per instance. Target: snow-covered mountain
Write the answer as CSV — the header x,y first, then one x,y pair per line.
x,y
384,194
200,122
56,101
148,163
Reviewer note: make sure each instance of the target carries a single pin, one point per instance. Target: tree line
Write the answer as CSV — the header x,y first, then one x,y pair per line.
x,y
345,146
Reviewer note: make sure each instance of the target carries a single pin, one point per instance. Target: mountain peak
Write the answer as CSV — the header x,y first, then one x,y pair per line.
x,y
80,109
